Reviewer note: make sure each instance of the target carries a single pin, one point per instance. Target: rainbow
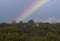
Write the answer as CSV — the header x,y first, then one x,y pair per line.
x,y
31,9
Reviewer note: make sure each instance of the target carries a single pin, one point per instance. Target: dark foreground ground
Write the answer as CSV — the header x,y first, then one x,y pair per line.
x,y
30,31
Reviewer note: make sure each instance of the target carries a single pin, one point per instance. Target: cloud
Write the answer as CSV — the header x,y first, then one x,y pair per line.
x,y
51,20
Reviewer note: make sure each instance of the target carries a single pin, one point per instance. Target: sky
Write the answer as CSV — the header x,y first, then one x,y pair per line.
x,y
10,9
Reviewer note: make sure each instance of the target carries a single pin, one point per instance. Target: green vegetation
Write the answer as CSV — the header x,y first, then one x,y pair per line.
x,y
30,31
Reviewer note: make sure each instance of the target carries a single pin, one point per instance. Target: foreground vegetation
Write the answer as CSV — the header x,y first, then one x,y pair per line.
x,y
30,31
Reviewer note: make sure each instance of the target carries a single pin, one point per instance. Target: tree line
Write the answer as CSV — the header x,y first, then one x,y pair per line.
x,y
30,31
